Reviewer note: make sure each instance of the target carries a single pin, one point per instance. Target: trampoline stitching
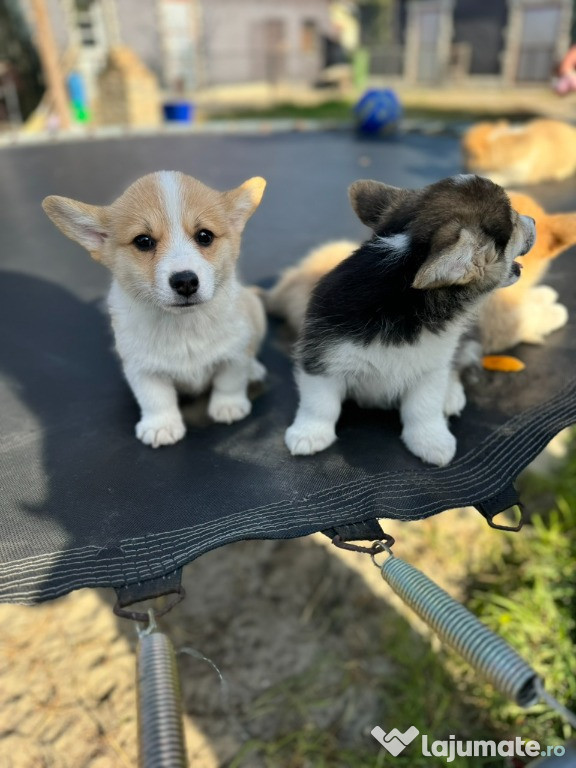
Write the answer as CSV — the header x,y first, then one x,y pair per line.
x,y
400,483
188,551
352,494
134,544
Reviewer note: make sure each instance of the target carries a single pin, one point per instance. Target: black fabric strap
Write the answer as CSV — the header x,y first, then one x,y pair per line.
x,y
499,503
366,530
148,590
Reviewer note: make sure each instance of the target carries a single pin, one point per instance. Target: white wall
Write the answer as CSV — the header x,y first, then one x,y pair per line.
x,y
138,21
234,40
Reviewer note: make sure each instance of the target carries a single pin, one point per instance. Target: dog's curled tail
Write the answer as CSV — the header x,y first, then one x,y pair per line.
x,y
288,299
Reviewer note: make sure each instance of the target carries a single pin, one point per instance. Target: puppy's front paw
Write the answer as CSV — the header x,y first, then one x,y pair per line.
x,y
304,440
455,399
434,444
164,429
227,409
542,315
257,371
543,294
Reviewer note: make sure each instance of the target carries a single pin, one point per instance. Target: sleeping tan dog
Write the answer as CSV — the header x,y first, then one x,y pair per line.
x,y
538,150
523,312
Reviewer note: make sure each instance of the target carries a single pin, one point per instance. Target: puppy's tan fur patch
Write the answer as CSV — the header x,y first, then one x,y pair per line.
x,y
521,154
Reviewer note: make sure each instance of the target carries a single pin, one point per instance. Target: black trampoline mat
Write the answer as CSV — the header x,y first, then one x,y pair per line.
x,y
83,503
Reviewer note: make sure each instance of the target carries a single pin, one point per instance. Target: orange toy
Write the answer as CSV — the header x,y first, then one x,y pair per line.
x,y
504,363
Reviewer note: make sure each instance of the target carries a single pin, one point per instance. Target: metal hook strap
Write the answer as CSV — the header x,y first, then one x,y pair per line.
x,y
143,617
511,528
502,502
385,542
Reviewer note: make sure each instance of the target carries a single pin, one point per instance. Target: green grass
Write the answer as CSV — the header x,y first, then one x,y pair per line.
x,y
329,110
341,110
529,598
525,591
424,695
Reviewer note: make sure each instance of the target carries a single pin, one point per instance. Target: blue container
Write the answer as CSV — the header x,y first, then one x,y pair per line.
x,y
77,90
378,112
179,112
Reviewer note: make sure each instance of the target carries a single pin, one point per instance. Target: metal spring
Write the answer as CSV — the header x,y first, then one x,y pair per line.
x,y
458,628
160,732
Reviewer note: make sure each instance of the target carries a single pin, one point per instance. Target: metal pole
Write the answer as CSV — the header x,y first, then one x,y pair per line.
x,y
49,59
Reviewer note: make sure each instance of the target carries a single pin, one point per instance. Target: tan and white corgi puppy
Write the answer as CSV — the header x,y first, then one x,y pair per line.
x,y
182,321
528,153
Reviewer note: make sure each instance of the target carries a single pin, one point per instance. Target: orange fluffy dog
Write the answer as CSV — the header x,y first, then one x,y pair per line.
x,y
523,312
528,312
521,154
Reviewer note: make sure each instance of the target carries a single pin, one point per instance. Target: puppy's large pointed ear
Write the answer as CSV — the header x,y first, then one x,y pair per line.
x,y
455,264
83,223
244,200
563,228
370,199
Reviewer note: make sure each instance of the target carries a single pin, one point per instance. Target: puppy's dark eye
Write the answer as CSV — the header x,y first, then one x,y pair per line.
x,y
204,237
144,242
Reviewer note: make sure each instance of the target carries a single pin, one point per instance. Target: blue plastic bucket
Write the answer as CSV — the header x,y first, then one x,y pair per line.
x,y
179,112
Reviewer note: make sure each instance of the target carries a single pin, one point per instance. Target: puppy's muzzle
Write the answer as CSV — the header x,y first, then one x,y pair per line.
x,y
184,283
530,230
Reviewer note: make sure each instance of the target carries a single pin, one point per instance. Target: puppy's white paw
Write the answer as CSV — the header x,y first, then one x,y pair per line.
x,y
455,399
542,316
304,440
257,371
163,429
434,444
226,409
543,294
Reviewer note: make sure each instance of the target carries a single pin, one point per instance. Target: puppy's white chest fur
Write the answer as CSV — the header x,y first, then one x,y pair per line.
x,y
185,348
377,375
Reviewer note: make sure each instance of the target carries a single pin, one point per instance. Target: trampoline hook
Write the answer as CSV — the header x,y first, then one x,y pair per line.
x,y
143,618
385,544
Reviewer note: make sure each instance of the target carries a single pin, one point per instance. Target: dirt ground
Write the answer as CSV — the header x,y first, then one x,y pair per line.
x,y
267,613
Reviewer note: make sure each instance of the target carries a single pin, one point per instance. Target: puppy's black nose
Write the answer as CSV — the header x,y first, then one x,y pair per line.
x,y
184,283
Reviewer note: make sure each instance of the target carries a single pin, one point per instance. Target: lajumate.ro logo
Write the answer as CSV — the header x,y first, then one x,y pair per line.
x,y
396,741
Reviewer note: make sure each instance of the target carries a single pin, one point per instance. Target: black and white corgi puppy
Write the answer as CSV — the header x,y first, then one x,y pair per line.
x,y
382,327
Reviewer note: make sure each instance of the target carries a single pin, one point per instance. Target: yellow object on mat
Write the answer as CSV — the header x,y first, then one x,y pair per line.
x,y
504,363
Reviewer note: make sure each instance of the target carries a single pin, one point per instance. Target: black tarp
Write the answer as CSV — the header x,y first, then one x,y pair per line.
x,y
83,503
